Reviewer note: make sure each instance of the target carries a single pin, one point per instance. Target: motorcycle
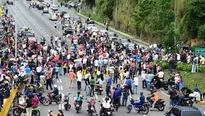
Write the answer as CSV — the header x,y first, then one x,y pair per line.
x,y
78,105
91,107
144,108
18,110
38,87
160,104
43,100
99,90
157,83
188,101
57,99
67,105
106,108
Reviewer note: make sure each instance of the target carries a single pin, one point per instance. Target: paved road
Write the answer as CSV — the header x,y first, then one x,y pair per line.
x,y
43,27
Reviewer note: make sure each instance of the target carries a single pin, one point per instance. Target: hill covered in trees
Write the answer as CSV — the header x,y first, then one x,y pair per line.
x,y
161,21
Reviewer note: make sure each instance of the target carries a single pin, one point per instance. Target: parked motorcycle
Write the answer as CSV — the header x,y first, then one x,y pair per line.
x,y
67,105
91,107
144,108
160,105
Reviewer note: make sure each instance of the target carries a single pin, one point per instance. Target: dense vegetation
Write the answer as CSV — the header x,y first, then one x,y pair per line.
x,y
154,19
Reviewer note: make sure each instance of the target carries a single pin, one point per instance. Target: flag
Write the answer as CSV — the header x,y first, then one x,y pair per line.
x,y
78,61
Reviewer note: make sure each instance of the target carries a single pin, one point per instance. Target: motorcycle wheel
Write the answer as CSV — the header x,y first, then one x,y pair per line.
x,y
191,103
46,101
17,112
128,109
165,87
36,113
144,109
160,107
77,110
66,107
69,106
58,100
91,113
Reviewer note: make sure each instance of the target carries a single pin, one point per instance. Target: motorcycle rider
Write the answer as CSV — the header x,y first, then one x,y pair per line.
x,y
106,104
55,92
155,96
91,103
78,98
99,83
142,99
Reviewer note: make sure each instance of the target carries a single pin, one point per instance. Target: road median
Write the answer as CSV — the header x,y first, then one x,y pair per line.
x,y
8,102
117,31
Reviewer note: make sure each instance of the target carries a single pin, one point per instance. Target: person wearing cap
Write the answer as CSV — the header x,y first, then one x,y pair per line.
x,y
50,113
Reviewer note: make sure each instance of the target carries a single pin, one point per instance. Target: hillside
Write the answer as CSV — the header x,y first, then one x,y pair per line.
x,y
153,20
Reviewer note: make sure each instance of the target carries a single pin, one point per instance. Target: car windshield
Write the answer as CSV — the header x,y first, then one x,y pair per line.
x,y
191,113
28,34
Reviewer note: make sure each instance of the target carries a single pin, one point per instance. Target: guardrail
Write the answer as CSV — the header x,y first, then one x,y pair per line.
x,y
8,102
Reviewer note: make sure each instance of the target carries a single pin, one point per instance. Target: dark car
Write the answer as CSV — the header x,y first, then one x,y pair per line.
x,y
183,111
68,31
10,2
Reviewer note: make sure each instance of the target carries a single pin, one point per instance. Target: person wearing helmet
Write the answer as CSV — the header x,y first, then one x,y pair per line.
x,y
155,96
55,92
50,113
78,98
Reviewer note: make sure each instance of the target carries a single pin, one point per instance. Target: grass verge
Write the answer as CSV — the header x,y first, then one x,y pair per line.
x,y
191,79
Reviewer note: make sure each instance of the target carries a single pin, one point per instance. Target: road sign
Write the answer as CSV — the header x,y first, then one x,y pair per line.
x,y
199,51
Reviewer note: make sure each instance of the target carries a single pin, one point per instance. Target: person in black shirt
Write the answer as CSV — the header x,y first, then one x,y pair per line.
x,y
28,106
173,95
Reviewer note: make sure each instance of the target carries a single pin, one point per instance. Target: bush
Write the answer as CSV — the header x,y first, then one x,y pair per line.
x,y
180,66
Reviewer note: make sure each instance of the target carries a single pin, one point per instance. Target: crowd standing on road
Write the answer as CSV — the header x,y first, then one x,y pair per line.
x,y
94,59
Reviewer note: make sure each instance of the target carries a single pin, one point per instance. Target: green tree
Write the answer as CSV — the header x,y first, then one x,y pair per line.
x,y
195,16
201,32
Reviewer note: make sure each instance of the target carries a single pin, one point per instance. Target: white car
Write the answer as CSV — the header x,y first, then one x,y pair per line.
x,y
53,17
54,7
45,10
89,26
94,29
66,16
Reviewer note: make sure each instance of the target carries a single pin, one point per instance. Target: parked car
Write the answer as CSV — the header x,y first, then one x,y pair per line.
x,y
54,7
45,10
68,31
66,16
112,36
183,111
10,2
53,17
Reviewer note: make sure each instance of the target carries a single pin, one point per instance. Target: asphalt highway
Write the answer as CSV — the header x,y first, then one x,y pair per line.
x,y
44,27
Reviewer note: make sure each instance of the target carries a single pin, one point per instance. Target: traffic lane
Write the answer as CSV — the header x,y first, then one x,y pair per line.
x,y
44,26
24,20
72,13
83,112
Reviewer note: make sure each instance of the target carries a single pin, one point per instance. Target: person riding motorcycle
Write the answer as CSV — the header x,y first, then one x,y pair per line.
x,y
91,103
106,104
55,92
155,96
141,99
78,98
99,83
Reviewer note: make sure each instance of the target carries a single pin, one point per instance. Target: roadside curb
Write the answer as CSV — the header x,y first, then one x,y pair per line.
x,y
8,102
124,34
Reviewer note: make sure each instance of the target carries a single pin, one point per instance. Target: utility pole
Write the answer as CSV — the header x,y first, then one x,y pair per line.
x,y
175,24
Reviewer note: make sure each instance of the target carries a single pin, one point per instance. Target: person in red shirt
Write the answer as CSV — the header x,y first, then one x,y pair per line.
x,y
35,101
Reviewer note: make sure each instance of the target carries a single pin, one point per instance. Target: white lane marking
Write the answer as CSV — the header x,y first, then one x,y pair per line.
x,y
63,95
61,87
62,106
57,81
59,106
44,20
96,96
22,10
58,87
164,93
60,81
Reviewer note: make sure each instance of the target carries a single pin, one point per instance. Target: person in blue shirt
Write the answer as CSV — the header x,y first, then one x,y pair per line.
x,y
116,96
109,80
141,100
28,70
56,71
196,89
78,98
128,82
13,68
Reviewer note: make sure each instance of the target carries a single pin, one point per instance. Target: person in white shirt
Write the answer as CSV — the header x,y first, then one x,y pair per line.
x,y
79,79
161,75
135,84
38,70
